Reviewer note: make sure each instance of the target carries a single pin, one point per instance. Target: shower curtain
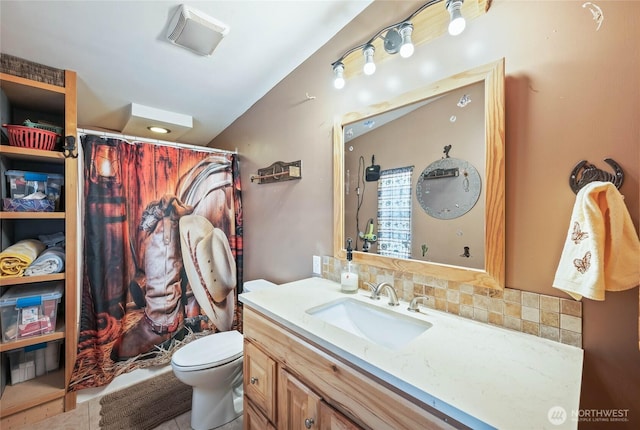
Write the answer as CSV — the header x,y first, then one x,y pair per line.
x,y
162,256
394,212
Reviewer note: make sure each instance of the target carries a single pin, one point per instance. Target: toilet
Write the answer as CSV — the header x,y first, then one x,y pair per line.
x,y
212,365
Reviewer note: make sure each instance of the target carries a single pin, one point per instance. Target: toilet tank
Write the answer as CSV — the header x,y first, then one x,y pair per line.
x,y
256,285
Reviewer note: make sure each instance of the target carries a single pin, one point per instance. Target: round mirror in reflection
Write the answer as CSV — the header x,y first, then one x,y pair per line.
x,y
448,188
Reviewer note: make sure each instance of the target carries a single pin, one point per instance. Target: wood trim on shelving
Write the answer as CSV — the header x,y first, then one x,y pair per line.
x,y
71,237
59,333
21,280
33,84
32,215
30,154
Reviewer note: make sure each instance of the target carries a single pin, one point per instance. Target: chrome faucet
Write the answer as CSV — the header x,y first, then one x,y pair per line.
x,y
413,305
377,289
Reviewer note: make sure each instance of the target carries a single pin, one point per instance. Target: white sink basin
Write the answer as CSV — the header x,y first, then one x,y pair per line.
x,y
384,327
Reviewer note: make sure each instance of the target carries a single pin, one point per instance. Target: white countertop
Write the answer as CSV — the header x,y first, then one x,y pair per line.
x,y
481,375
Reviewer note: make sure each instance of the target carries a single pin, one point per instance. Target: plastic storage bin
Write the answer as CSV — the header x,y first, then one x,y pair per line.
x,y
55,182
22,364
22,183
29,311
34,360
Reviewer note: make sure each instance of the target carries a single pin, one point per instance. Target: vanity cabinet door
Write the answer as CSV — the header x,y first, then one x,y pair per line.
x,y
259,379
330,419
253,418
298,406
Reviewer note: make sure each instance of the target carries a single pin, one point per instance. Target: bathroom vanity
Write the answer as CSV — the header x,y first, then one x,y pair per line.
x,y
305,367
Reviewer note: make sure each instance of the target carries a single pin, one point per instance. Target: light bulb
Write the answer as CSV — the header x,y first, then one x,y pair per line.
x,y
457,22
407,48
158,129
369,68
369,65
338,70
457,25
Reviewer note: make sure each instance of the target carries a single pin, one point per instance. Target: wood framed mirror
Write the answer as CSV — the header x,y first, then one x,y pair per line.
x,y
489,268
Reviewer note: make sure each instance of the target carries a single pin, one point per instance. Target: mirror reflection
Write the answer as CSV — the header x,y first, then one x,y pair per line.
x,y
448,188
419,181
422,204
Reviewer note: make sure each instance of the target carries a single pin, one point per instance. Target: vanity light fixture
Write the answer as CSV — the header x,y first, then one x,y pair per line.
x,y
159,130
397,38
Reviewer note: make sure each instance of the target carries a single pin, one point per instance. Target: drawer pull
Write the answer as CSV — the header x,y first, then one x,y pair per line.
x,y
309,422
253,380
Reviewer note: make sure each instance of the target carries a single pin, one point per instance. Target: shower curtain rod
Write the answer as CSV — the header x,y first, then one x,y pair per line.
x,y
155,141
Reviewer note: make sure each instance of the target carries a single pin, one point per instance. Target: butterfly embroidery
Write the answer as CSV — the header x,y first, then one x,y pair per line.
x,y
583,264
577,234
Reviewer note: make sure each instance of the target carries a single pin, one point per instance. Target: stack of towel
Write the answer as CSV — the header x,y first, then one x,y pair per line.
x,y
31,257
15,259
602,249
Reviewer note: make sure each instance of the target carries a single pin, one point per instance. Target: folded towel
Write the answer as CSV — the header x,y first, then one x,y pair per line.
x,y
17,257
51,240
50,261
602,249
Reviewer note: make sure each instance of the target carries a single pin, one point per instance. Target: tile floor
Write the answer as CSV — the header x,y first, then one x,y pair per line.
x,y
86,416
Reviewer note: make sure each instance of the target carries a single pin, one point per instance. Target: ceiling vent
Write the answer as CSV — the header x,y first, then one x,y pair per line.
x,y
196,31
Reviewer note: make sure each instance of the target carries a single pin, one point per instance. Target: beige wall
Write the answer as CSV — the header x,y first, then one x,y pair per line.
x,y
572,93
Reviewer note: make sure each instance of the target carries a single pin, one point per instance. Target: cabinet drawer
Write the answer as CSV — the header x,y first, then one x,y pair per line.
x,y
253,418
260,379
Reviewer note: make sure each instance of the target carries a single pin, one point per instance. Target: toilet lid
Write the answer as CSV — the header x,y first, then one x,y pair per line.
x,y
256,285
209,351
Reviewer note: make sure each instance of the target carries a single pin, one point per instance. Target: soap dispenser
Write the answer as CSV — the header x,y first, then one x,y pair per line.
x,y
349,276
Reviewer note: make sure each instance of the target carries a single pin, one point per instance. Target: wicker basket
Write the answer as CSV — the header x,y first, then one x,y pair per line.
x,y
28,69
27,137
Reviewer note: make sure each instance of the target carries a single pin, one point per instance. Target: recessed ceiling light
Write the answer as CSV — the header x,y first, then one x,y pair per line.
x,y
160,130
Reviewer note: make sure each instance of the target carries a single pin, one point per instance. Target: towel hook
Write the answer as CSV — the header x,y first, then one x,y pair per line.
x,y
591,173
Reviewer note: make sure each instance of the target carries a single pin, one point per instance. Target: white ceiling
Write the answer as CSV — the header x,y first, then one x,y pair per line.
x,y
120,53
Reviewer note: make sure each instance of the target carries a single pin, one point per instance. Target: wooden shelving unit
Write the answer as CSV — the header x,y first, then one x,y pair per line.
x,y
26,402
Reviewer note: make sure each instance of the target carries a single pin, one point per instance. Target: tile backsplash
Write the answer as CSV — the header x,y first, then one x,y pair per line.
x,y
550,317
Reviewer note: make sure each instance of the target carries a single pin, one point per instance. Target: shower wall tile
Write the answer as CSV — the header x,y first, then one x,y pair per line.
x,y
549,317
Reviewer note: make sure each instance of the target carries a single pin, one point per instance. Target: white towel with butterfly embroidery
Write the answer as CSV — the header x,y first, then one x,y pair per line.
x,y
602,249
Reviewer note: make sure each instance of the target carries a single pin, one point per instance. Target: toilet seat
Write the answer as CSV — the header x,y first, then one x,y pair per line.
x,y
210,351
